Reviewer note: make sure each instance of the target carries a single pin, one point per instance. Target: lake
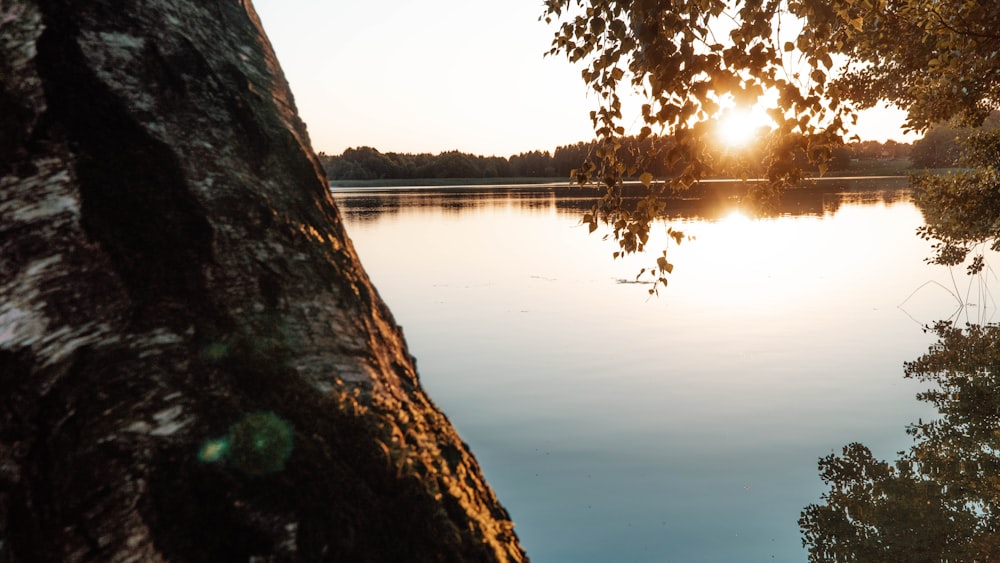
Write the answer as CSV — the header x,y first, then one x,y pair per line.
x,y
619,427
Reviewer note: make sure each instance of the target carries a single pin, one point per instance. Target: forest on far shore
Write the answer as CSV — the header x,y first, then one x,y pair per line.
x,y
367,163
939,148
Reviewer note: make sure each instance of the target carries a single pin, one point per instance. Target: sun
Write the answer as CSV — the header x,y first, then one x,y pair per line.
x,y
737,128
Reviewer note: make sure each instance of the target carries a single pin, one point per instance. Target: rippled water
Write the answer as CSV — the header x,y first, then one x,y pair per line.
x,y
685,427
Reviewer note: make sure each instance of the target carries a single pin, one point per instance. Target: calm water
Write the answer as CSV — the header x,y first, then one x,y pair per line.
x,y
616,427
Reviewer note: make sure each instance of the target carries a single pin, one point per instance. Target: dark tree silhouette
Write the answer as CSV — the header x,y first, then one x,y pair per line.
x,y
193,364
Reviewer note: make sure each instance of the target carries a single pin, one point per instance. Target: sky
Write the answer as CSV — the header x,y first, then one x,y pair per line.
x,y
440,75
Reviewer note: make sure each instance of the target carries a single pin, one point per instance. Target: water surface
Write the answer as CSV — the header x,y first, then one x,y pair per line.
x,y
685,427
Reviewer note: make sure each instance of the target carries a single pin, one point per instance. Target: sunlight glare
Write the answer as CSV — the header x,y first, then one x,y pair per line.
x,y
739,127
736,219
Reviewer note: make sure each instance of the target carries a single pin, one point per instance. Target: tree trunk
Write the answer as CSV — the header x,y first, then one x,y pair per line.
x,y
193,364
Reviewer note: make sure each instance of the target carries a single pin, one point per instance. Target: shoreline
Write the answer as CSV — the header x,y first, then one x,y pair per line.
x,y
347,186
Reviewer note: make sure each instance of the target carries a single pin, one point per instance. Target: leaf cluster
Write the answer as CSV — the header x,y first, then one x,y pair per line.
x,y
936,60
962,210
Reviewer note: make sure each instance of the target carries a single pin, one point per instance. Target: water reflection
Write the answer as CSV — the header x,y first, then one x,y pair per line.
x,y
709,201
615,427
940,501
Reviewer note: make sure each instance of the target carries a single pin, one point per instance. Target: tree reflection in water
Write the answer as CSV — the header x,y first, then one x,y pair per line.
x,y
940,501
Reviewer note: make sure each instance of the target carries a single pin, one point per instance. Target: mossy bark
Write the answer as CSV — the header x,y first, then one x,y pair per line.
x,y
170,262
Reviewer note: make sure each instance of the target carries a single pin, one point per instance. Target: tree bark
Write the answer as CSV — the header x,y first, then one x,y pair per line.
x,y
171,266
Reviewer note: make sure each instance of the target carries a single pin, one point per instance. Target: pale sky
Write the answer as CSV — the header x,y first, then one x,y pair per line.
x,y
438,75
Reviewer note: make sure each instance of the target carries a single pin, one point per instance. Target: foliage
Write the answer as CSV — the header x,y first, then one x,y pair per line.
x,y
962,211
815,62
367,163
936,60
941,145
941,499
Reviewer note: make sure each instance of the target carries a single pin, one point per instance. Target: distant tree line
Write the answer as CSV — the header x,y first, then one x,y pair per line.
x,y
367,163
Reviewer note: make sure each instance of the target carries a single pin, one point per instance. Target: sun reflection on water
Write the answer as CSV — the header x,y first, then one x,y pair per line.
x,y
591,405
